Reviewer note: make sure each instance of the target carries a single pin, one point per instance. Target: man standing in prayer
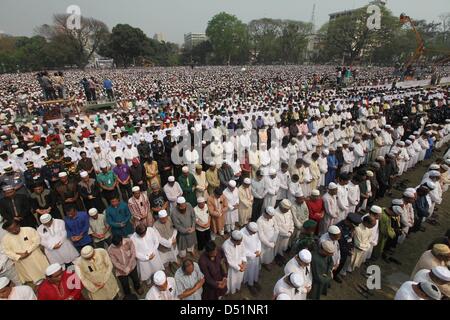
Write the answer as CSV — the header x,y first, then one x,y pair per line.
x,y
285,226
60,285
252,246
168,250
202,223
300,264
212,263
58,248
123,257
173,191
217,207
232,196
77,227
237,261
183,218
118,216
99,230
362,238
164,288
259,193
94,268
140,208
189,281
188,184
322,269
21,245
146,241
290,285
245,202
268,234
331,208
439,255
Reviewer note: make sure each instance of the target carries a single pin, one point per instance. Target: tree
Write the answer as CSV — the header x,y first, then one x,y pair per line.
x,y
83,41
265,36
229,39
125,43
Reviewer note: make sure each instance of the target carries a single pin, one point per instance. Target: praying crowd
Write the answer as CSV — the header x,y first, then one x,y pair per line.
x,y
187,190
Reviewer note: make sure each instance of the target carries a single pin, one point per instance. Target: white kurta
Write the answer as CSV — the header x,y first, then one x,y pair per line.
x,y
232,212
169,294
145,247
342,202
272,189
331,212
406,292
282,287
252,244
21,293
235,255
268,234
304,272
285,225
53,235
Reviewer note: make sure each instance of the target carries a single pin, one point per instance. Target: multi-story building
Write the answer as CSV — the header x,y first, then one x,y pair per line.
x,y
193,39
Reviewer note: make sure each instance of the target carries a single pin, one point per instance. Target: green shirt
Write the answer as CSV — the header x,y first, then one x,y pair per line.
x,y
107,179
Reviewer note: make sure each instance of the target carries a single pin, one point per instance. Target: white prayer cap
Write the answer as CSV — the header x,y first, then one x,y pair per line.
x,y
171,179
430,185
87,252
326,152
315,193
103,164
442,273
434,166
212,163
272,171
141,139
18,151
296,280
62,174
68,143
159,278
398,210
298,194
247,181
283,296
408,194
397,202
431,290
45,218
380,158
181,200
376,209
286,204
83,174
162,214
328,246
96,145
113,145
434,173
52,269
4,281
270,211
237,235
201,200
401,143
232,183
369,173
447,161
408,142
332,186
185,169
253,227
135,189
305,256
92,212
334,230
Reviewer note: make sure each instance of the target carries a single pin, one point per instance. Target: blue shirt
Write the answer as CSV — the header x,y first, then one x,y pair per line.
x,y
107,84
78,225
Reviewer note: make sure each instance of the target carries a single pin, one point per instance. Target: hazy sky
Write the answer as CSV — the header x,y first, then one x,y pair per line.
x,y
174,18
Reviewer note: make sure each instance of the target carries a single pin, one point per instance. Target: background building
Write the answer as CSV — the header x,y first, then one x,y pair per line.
x,y
336,15
159,37
193,39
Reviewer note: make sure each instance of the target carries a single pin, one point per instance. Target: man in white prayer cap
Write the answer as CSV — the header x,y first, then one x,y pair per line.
x,y
245,202
167,249
164,288
411,290
438,275
272,187
58,248
236,256
232,195
268,234
285,225
173,191
8,291
252,246
331,208
300,264
95,270
291,285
